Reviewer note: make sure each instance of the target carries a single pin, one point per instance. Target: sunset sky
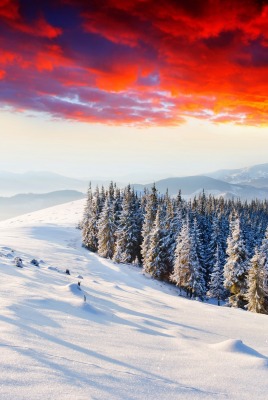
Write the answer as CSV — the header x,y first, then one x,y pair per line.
x,y
112,87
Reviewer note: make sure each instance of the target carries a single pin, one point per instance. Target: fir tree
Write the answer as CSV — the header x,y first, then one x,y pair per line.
x,y
106,230
182,272
257,293
216,288
128,232
197,280
156,264
149,217
215,252
235,269
90,223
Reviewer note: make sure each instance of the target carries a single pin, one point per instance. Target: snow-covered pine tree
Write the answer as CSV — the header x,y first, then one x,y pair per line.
x,y
90,224
197,283
181,271
87,209
236,267
216,288
149,217
264,246
188,273
196,236
127,248
257,293
170,229
214,252
156,264
106,230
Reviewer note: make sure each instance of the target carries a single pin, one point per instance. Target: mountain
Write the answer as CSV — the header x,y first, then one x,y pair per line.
x,y
193,185
256,175
25,203
132,338
37,182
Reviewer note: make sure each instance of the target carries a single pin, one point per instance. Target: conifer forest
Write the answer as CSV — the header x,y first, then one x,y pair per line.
x,y
208,247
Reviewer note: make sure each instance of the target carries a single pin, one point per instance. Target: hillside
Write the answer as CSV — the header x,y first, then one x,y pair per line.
x,y
133,338
24,203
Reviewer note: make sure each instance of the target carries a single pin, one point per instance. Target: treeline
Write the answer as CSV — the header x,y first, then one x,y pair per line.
x,y
206,246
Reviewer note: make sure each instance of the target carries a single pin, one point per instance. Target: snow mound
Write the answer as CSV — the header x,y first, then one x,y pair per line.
x,y
74,288
236,346
84,301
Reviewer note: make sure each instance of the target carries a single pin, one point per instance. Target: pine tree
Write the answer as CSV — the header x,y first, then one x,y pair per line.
x,y
264,246
127,248
171,224
257,293
87,209
156,264
90,223
216,288
106,230
188,273
215,252
197,280
182,271
149,217
235,269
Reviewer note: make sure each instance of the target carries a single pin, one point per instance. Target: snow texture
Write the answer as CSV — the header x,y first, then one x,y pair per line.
x,y
120,334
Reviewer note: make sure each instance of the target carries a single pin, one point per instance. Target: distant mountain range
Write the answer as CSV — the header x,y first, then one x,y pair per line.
x,y
37,182
246,183
193,185
256,175
25,203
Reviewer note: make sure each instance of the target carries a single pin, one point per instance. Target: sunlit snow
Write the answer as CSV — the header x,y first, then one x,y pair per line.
x,y
120,334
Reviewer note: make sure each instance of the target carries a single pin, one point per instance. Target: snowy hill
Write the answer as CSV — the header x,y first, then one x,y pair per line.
x,y
133,337
24,203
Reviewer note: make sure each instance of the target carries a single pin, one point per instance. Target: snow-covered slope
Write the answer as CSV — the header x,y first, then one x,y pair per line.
x,y
133,337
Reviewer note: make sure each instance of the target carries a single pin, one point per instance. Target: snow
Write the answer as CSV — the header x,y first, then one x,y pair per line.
x,y
133,337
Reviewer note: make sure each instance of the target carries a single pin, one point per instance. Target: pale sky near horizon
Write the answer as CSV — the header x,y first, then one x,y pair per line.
x,y
93,150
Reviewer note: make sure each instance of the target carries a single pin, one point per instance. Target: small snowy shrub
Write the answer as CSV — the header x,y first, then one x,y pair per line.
x,y
18,262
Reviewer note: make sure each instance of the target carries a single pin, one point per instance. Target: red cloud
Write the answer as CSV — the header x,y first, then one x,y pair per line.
x,y
40,28
137,62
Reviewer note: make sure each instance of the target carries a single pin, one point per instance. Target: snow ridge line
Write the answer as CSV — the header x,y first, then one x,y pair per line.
x,y
174,384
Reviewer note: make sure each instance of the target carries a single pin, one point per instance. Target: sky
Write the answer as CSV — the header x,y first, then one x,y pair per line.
x,y
146,88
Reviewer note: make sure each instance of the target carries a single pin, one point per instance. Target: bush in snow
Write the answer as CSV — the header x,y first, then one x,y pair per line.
x,y
18,262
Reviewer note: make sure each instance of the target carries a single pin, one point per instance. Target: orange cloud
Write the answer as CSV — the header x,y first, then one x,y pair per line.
x,y
137,62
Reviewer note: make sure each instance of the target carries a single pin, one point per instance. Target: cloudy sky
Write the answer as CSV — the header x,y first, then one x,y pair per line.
x,y
115,87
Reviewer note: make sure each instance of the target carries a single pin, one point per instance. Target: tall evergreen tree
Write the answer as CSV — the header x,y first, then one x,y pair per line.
x,y
235,269
197,280
216,288
182,272
90,224
257,293
156,256
149,217
106,230
128,231
215,252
